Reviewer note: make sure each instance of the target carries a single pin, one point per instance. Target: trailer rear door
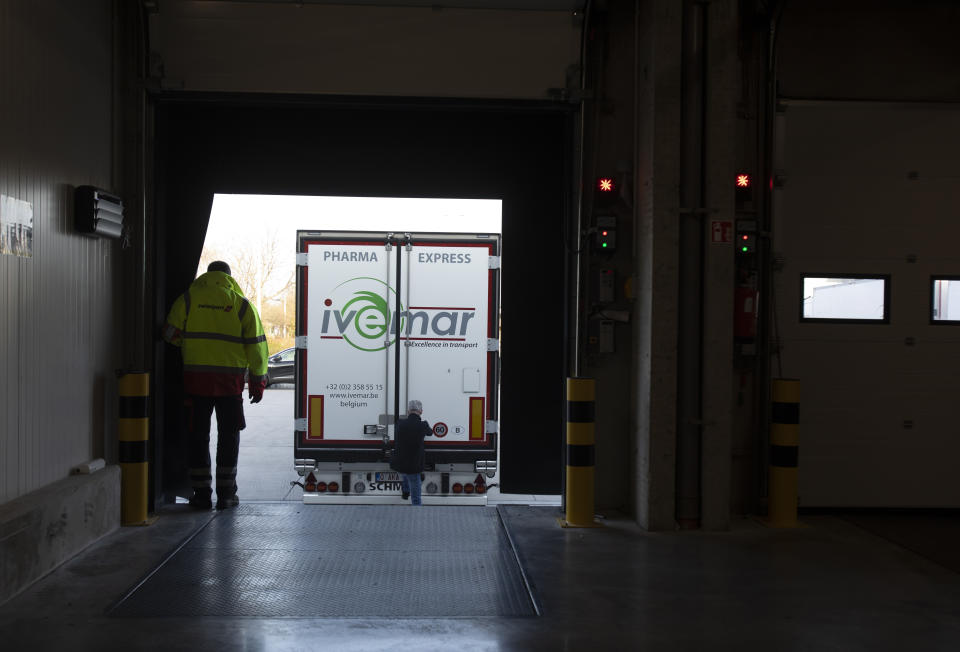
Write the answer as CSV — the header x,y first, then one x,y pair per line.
x,y
353,289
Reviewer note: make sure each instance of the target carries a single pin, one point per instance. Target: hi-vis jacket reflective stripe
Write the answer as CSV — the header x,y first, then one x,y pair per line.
x,y
220,335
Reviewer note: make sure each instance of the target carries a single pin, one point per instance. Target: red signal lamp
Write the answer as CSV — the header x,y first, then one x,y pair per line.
x,y
744,189
606,184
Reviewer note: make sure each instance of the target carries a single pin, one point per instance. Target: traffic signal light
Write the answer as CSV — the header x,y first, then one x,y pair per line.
x,y
744,189
746,243
606,239
606,233
605,191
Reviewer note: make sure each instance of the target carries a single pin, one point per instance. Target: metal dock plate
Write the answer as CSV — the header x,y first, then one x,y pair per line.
x,y
287,559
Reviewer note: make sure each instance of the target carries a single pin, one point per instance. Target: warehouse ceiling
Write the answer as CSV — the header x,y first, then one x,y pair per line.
x,y
522,5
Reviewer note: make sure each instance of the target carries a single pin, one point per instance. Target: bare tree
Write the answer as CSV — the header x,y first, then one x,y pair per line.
x,y
258,266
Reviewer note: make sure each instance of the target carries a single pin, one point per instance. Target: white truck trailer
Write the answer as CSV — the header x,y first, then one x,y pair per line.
x,y
383,318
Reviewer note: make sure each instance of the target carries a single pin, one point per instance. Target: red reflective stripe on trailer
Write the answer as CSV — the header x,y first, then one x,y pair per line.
x,y
441,339
491,331
302,332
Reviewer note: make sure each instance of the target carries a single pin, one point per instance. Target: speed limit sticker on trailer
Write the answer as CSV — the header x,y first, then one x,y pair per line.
x,y
440,429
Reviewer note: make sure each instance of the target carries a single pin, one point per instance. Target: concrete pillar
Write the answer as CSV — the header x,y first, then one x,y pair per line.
x,y
720,170
656,166
658,40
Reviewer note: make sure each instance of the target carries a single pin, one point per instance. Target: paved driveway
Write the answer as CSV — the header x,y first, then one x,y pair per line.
x,y
265,468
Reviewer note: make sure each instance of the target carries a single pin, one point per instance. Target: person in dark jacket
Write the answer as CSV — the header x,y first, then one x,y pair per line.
x,y
408,454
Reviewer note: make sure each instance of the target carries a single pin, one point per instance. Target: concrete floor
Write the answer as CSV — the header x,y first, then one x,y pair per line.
x,y
828,586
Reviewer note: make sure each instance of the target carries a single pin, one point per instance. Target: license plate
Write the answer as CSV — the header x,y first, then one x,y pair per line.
x,y
388,476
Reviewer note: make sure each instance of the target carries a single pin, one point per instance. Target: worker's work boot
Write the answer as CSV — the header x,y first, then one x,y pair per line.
x,y
225,502
201,501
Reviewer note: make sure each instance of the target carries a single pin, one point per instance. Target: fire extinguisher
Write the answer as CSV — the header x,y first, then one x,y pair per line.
x,y
745,312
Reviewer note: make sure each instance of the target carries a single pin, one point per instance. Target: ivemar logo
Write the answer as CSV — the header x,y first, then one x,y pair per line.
x,y
359,312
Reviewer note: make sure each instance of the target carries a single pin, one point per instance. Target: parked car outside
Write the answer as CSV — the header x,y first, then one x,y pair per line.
x,y
280,367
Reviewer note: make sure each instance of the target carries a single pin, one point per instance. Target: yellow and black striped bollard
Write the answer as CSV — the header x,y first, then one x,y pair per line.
x,y
784,447
580,452
133,389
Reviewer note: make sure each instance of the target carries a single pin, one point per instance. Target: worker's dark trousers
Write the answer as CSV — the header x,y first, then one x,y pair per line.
x,y
229,424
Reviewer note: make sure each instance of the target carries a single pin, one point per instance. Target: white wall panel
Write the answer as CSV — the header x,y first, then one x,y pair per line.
x,y
57,307
363,50
869,50
871,188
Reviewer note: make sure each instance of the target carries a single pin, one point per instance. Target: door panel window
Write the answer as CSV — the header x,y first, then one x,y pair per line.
x,y
853,298
945,300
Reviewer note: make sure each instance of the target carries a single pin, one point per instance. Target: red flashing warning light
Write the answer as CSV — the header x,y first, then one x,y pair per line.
x,y
743,181
605,184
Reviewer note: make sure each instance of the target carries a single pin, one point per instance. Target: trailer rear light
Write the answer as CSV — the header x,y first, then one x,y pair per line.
x,y
468,488
321,486
481,484
457,488
359,487
311,484
333,487
431,487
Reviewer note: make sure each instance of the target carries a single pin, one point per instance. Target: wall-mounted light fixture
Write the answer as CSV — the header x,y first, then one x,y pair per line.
x,y
97,212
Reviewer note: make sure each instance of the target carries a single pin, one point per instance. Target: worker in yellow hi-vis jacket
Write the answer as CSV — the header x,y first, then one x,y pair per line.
x,y
220,336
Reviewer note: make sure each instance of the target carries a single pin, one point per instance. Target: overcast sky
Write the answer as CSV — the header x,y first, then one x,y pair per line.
x,y
237,220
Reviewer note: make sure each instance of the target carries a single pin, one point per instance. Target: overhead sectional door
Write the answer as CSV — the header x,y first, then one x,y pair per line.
x,y
866,217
